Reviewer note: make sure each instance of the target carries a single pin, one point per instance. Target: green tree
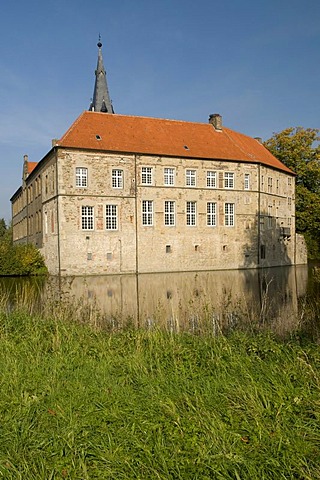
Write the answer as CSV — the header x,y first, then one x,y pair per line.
x,y
21,259
299,149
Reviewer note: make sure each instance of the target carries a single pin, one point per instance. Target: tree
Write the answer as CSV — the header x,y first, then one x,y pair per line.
x,y
299,149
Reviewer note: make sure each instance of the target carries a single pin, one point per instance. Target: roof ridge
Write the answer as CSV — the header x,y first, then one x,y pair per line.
x,y
238,145
150,118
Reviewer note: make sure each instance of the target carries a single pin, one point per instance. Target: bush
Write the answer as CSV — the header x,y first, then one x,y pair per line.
x,y
23,259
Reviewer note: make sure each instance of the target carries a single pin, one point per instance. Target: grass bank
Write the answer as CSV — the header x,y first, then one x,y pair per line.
x,y
80,403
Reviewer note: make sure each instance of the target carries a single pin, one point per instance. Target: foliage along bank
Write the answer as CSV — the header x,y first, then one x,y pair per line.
x,y
22,259
299,149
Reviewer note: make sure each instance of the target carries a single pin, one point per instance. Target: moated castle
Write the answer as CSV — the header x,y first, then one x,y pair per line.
x,y
126,194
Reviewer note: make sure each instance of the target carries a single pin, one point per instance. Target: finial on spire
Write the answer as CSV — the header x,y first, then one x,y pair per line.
x,y
101,100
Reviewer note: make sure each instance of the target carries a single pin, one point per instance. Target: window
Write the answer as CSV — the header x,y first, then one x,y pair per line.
x,y
191,213
247,181
46,223
87,218
277,185
168,249
262,182
81,177
211,214
168,175
269,216
211,179
146,175
228,180
117,178
191,178
229,214
269,184
147,212
169,213
111,217
289,181
289,203
262,252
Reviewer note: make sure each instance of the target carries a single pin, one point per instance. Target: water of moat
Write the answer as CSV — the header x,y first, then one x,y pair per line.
x,y
192,301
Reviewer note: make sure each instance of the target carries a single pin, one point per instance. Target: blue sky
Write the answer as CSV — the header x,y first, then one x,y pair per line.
x,y
256,62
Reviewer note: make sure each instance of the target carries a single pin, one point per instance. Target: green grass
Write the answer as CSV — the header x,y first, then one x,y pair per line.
x,y
80,403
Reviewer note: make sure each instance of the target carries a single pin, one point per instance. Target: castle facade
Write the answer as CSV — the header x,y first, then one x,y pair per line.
x,y
126,194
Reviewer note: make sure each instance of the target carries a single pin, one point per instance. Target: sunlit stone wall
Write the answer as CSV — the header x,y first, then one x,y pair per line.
x,y
261,233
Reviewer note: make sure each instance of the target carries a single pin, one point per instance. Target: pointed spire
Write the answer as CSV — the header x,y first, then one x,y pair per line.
x,y
101,100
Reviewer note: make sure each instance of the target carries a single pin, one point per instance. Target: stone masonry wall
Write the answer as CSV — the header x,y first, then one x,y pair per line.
x,y
262,208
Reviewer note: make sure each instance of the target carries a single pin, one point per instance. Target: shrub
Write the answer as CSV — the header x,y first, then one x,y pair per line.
x,y
23,259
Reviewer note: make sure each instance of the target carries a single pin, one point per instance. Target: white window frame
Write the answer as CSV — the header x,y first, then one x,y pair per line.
x,y
147,213
211,214
146,175
191,213
229,214
81,177
168,176
87,217
228,180
247,181
111,217
191,177
117,178
211,179
169,213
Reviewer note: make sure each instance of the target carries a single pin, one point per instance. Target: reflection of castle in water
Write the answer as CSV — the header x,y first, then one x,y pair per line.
x,y
181,301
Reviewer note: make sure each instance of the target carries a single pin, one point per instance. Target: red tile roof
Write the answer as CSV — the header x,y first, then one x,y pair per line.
x,y
31,166
154,136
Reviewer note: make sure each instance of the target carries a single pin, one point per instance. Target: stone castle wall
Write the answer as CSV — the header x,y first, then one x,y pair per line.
x,y
158,247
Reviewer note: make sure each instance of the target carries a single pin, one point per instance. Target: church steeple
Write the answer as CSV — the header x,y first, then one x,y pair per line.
x,y
101,100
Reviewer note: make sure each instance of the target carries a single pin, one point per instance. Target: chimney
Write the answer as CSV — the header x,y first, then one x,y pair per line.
x,y
25,158
215,119
54,142
259,139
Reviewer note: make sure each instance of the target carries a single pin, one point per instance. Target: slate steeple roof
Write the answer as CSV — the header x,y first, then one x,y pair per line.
x,y
101,100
